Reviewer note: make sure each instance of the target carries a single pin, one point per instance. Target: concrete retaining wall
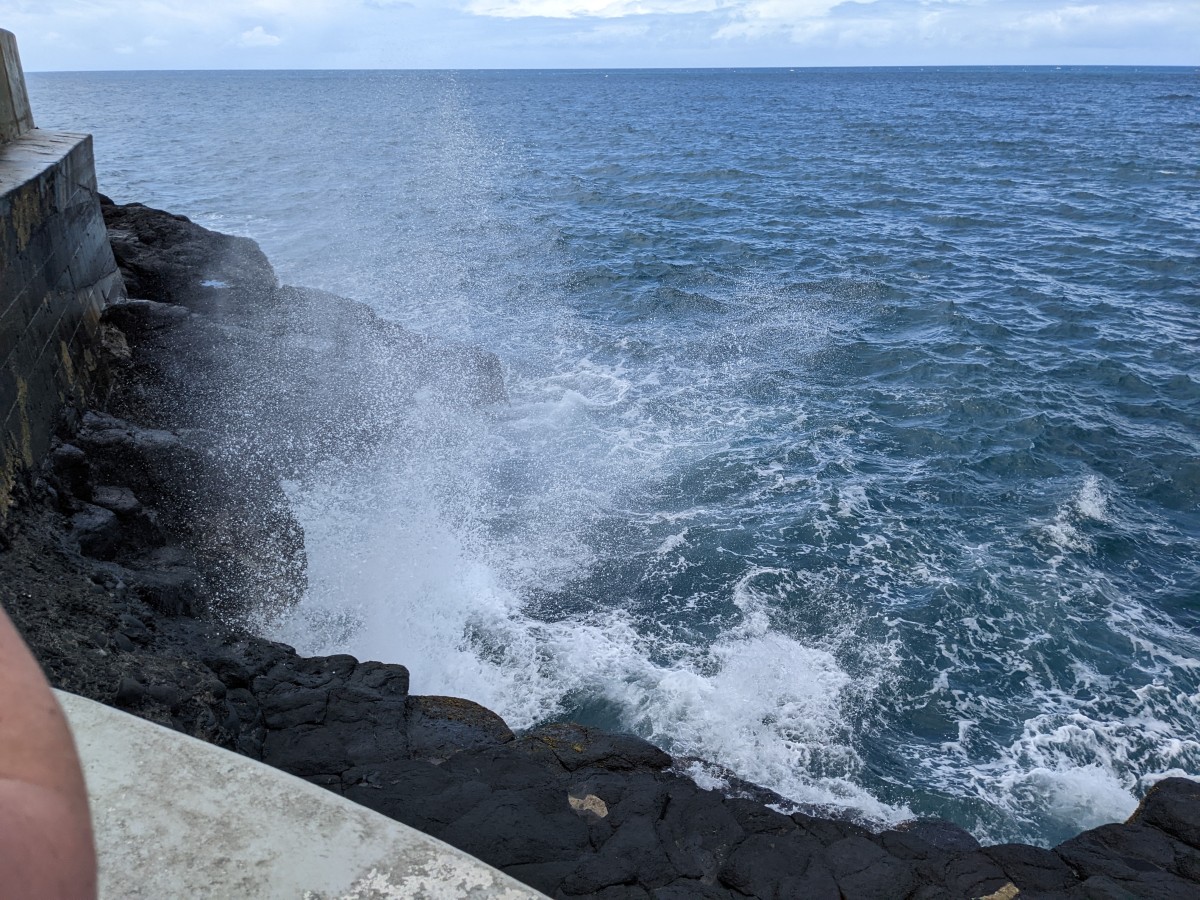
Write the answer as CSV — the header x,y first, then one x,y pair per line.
x,y
16,117
57,272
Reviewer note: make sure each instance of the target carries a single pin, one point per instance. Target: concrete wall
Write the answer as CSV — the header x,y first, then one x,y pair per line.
x,y
16,117
57,272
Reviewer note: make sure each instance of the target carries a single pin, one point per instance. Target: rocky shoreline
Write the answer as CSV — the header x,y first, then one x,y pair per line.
x,y
157,531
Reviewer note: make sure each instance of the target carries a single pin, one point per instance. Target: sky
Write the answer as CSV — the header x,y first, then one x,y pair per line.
x,y
57,35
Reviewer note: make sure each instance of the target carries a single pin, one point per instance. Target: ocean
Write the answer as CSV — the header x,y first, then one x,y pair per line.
x,y
853,434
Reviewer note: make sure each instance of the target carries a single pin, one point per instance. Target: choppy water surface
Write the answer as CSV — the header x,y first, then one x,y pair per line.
x,y
853,440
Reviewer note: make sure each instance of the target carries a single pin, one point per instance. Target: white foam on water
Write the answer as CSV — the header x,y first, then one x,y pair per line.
x,y
1080,771
768,707
1112,683
1082,797
672,543
440,551
706,776
1091,502
402,567
391,580
852,500
1068,530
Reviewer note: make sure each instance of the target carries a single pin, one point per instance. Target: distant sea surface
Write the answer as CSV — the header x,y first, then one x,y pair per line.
x,y
853,440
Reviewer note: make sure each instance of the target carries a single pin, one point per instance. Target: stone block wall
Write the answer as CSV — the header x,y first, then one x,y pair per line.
x,y
57,273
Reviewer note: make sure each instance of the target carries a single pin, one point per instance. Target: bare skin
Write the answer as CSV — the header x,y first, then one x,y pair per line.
x,y
46,846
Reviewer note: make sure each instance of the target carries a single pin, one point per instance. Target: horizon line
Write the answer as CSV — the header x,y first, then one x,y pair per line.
x,y
781,68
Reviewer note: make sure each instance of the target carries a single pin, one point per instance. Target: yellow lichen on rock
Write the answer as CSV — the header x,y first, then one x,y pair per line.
x,y
1008,892
25,214
590,804
26,447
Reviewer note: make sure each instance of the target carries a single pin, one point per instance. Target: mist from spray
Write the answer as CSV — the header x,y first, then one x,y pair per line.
x,y
476,544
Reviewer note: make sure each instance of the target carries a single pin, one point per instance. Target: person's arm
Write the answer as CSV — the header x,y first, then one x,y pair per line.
x,y
46,846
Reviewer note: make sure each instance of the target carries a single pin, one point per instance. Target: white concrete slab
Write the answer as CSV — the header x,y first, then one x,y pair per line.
x,y
176,817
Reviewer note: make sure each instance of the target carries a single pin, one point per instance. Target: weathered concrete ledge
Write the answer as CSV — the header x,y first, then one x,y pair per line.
x,y
176,817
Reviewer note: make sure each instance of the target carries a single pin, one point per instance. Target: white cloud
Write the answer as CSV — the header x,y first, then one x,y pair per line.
x,y
611,33
1074,19
600,9
950,23
803,18
259,37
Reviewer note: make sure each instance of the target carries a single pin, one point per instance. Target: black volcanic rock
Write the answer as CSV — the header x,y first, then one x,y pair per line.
x,y
290,375
1170,806
170,258
225,509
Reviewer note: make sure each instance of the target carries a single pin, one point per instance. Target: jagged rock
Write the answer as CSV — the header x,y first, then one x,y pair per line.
x,y
439,727
576,746
96,530
940,834
689,889
167,257
516,832
1171,806
119,500
865,872
790,865
229,512
972,874
67,468
1140,858
1032,868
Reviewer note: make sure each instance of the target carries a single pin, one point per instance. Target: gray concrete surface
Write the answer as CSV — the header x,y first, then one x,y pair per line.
x,y
176,817
57,273
15,115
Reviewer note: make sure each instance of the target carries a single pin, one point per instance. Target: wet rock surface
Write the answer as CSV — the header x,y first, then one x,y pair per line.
x,y
220,346
129,564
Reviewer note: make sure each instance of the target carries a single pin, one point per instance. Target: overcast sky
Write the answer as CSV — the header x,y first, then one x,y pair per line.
x,y
337,34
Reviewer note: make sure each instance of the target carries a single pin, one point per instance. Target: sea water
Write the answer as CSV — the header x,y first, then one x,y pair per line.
x,y
853,432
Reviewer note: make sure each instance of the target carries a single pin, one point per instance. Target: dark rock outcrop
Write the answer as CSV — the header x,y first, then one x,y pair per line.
x,y
216,340
144,533
169,258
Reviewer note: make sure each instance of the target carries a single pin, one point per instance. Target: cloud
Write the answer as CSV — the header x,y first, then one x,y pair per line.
x,y
608,34
258,37
803,19
1092,20
600,9
952,23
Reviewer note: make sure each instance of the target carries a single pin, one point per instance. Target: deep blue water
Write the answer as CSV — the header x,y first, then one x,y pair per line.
x,y
854,436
